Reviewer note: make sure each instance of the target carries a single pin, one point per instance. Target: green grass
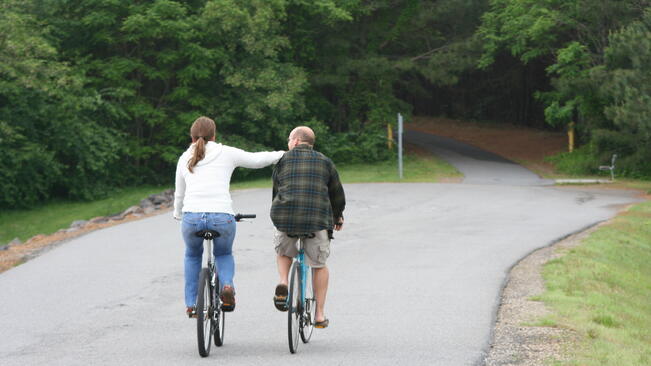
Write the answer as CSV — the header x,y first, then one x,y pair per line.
x,y
542,322
602,291
55,215
576,163
638,184
252,183
50,217
416,168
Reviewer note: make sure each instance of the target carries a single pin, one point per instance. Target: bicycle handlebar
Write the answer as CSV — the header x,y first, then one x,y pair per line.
x,y
239,217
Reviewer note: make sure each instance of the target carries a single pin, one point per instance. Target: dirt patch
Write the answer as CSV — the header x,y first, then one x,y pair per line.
x,y
523,145
18,254
517,339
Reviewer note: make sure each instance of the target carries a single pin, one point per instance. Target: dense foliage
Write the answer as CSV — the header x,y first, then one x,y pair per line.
x,y
96,94
597,56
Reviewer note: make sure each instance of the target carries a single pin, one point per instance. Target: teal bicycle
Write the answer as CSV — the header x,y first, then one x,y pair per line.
x,y
301,303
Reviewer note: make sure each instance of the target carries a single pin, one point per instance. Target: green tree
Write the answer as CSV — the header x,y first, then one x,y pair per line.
x,y
590,62
626,83
48,145
569,37
160,64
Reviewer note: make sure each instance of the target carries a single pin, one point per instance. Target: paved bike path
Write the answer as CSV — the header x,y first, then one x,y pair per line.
x,y
478,166
415,279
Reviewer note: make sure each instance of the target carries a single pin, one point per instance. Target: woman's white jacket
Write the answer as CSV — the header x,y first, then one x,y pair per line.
x,y
206,189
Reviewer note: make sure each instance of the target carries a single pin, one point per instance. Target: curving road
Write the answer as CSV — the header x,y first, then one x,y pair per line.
x,y
478,166
416,276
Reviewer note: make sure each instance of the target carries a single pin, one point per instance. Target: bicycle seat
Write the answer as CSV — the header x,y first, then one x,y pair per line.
x,y
302,236
207,234
309,235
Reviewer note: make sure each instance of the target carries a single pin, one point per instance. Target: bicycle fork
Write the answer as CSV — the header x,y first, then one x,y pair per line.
x,y
302,277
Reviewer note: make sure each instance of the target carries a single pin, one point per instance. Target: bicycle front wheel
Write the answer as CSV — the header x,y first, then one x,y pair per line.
x,y
205,323
294,307
309,311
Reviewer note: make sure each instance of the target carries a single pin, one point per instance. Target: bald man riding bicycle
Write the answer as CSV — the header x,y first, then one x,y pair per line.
x,y
308,198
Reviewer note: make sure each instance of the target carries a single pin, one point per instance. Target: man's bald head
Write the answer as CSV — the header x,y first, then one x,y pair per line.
x,y
304,134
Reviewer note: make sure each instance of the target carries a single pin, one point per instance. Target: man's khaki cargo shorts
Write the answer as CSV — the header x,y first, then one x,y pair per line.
x,y
317,249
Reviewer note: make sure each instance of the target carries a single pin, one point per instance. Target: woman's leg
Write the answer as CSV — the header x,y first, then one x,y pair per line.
x,y
192,223
223,246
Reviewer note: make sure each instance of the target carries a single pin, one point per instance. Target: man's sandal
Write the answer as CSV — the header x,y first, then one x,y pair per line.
x,y
280,297
322,324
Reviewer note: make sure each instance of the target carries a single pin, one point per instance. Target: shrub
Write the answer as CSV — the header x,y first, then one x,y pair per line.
x,y
581,161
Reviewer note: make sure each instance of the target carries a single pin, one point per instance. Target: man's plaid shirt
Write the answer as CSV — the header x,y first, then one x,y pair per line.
x,y
307,193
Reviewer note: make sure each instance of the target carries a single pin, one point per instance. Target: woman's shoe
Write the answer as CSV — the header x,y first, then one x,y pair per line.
x,y
228,298
191,312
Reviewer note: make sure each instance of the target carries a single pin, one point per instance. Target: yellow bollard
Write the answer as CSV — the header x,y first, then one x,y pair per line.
x,y
389,136
570,136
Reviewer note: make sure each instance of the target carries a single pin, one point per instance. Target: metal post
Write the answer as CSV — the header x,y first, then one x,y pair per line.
x,y
400,145
570,136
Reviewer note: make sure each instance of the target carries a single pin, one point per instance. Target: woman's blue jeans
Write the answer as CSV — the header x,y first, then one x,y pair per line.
x,y
222,249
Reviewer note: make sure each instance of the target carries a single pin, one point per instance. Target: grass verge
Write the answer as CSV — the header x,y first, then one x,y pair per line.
x,y
50,217
58,214
417,167
602,291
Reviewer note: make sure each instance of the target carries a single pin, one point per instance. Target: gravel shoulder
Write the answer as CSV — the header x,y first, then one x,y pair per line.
x,y
520,335
517,339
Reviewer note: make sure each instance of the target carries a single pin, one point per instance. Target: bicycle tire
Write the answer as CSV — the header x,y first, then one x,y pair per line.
x,y
205,321
294,308
309,308
220,317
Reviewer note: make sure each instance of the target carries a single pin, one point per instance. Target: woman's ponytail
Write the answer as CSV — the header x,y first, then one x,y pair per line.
x,y
202,130
199,153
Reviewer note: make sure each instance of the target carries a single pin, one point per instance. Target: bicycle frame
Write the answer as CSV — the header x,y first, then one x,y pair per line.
x,y
303,268
207,244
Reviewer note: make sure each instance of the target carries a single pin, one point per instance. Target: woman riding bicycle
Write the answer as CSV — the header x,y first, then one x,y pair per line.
x,y
203,202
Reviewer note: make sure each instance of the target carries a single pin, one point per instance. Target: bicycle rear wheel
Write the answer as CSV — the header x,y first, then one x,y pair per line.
x,y
205,323
307,320
294,307
219,317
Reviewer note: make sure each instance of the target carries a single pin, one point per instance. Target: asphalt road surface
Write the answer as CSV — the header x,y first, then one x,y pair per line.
x,y
415,280
478,166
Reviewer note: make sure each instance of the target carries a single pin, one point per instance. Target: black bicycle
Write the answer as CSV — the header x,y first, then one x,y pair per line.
x,y
210,317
